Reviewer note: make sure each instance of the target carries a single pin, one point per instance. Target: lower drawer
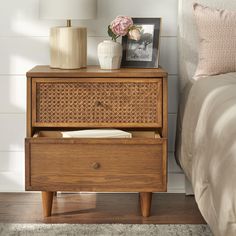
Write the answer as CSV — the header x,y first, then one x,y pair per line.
x,y
69,164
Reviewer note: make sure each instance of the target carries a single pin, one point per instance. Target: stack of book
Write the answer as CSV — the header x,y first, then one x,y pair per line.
x,y
97,133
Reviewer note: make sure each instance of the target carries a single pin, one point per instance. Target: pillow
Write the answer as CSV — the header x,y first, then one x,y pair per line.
x,y
217,32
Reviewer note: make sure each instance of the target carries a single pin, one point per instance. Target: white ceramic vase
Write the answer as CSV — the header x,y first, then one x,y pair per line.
x,y
109,55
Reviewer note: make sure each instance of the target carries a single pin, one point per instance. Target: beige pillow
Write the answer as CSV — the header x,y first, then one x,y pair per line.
x,y
217,32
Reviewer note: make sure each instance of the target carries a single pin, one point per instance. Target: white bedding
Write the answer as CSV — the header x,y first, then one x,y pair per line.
x,y
206,149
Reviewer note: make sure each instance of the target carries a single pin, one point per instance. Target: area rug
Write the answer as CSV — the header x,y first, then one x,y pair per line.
x,y
103,230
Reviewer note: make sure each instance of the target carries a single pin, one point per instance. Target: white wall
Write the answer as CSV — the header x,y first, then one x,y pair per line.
x,y
24,44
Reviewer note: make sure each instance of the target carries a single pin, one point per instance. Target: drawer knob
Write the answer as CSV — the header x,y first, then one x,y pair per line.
x,y
98,103
96,165
101,104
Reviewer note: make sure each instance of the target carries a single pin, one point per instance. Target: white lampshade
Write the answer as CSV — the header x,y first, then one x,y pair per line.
x,y
67,9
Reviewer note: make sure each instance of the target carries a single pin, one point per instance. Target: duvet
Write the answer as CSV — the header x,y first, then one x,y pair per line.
x,y
206,149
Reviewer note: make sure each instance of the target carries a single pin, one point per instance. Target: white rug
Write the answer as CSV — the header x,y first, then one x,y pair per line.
x,y
103,230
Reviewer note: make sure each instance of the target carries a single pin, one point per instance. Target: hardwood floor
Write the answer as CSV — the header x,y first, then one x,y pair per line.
x,y
99,208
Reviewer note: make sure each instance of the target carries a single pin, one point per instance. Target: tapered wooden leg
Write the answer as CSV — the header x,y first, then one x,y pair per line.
x,y
47,199
145,203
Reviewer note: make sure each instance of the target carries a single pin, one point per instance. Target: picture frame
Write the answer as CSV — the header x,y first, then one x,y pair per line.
x,y
143,53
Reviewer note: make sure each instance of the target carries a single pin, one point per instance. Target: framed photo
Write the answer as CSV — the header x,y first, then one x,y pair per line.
x,y
143,53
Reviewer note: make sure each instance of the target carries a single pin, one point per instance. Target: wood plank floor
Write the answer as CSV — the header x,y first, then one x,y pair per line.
x,y
99,208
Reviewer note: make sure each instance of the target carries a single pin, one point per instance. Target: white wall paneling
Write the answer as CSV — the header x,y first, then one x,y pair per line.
x,y
172,119
176,183
176,177
20,18
13,94
24,43
173,94
12,181
19,54
12,171
168,54
11,161
13,132
172,165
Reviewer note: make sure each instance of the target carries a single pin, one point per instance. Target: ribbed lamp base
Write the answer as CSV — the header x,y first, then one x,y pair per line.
x,y
68,47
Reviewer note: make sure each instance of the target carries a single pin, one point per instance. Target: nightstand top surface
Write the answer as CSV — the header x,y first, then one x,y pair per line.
x,y
95,71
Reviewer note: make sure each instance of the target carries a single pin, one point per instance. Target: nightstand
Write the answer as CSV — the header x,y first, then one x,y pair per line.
x,y
133,100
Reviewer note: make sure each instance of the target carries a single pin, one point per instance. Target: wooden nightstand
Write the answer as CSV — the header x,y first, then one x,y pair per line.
x,y
133,100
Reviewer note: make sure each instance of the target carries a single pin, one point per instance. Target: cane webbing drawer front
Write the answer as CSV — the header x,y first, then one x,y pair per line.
x,y
97,102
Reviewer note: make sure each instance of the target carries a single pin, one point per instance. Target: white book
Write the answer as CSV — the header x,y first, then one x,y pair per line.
x,y
97,133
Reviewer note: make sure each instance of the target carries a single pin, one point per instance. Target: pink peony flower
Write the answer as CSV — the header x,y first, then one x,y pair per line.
x,y
120,26
135,34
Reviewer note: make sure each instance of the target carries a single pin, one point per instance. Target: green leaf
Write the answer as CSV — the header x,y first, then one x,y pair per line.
x,y
110,33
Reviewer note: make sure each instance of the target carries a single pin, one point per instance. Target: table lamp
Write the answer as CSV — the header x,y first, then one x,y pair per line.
x,y
68,45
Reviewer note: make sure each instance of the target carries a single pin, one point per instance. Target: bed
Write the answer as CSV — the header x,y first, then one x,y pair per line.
x,y
206,132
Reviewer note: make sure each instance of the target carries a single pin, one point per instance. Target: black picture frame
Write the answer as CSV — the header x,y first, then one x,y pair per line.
x,y
143,54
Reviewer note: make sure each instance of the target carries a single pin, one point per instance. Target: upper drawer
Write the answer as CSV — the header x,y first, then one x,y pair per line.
x,y
96,102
